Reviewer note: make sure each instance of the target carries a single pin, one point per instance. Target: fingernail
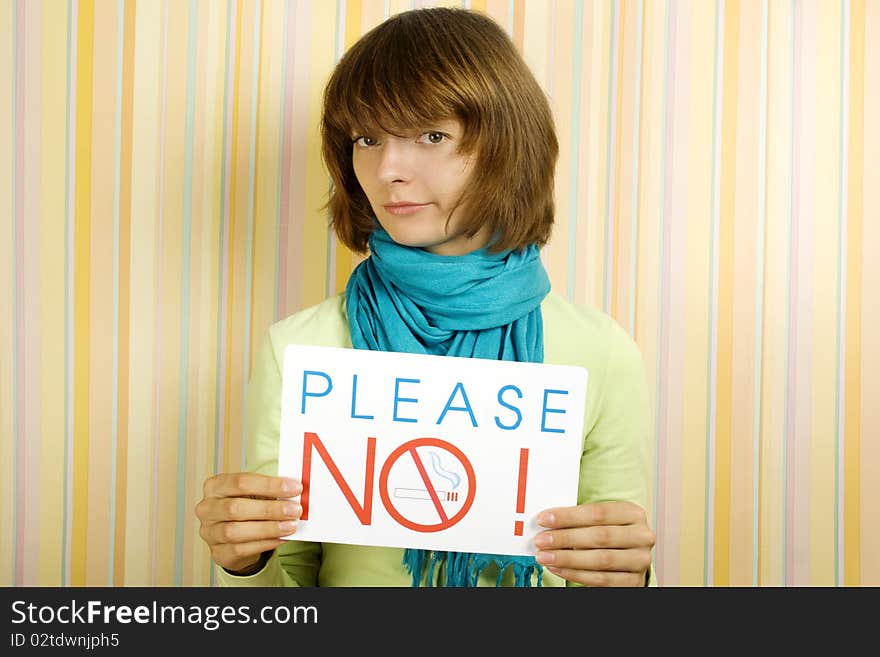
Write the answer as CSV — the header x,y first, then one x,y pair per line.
x,y
546,519
291,487
545,557
287,526
543,540
292,509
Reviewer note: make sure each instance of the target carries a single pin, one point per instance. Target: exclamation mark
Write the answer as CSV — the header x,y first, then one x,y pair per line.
x,y
521,490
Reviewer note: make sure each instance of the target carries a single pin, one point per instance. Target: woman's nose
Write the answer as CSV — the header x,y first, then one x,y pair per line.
x,y
395,162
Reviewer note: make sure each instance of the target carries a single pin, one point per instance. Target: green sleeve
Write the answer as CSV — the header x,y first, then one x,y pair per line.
x,y
294,563
614,461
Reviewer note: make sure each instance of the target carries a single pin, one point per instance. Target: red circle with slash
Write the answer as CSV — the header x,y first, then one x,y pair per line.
x,y
410,446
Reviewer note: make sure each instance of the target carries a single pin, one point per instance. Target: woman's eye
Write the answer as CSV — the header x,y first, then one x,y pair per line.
x,y
433,137
364,142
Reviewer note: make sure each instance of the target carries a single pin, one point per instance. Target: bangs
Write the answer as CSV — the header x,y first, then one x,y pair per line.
x,y
395,109
402,83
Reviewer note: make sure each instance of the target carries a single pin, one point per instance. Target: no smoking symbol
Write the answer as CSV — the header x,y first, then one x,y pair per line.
x,y
410,456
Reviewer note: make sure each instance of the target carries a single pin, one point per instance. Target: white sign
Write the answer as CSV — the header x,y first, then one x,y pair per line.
x,y
430,452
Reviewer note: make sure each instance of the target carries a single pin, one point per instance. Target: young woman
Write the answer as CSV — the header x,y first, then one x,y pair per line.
x,y
442,151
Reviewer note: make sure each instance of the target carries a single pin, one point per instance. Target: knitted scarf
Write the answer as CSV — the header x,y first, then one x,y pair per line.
x,y
478,305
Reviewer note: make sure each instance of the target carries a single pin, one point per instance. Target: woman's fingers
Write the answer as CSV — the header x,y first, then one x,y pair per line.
x,y
593,515
250,484
242,509
242,516
606,536
247,532
630,561
599,544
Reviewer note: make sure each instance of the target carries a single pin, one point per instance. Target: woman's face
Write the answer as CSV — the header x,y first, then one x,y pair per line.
x,y
413,183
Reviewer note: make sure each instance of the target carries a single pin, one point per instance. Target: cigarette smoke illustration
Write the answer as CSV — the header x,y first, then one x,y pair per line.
x,y
453,477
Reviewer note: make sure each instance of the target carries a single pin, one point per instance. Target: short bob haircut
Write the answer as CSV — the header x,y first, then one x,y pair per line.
x,y
427,65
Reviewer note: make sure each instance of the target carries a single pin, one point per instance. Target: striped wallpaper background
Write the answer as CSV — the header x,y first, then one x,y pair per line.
x,y
717,194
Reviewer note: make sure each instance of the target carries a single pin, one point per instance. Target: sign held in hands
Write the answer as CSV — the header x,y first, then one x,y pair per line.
x,y
430,452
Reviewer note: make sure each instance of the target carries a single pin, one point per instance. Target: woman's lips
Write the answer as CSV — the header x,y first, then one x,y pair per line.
x,y
404,208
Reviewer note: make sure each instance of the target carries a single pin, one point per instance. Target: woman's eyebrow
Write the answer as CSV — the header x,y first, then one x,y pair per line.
x,y
442,125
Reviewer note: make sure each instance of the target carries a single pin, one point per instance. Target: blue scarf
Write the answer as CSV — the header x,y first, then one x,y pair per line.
x,y
479,305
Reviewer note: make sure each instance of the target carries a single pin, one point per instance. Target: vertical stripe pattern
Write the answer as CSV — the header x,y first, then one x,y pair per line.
x,y
160,193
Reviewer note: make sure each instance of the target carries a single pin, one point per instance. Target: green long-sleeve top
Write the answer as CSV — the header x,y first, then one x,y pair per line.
x,y
614,458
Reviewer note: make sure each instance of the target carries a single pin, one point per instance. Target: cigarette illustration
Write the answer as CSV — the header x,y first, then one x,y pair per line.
x,y
442,495
422,494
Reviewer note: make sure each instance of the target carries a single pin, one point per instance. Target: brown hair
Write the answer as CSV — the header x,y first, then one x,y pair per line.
x,y
426,65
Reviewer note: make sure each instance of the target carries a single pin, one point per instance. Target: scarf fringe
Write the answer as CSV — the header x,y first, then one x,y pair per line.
x,y
463,569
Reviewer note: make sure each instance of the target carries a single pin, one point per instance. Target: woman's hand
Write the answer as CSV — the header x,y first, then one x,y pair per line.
x,y
242,517
600,544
